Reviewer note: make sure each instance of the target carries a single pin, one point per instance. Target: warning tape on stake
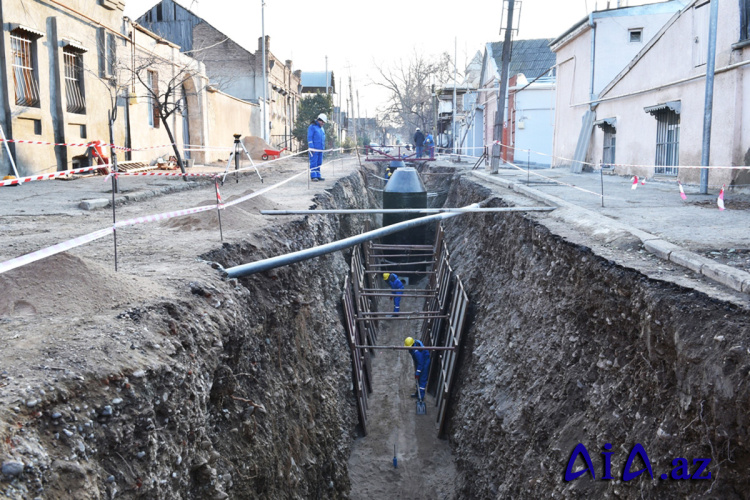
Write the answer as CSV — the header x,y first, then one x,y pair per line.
x,y
710,167
80,240
44,177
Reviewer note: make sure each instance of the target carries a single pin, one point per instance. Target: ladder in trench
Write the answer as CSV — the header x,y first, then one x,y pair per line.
x,y
443,317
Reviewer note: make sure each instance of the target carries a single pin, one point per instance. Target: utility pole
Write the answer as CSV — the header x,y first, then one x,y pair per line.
x,y
500,114
354,122
455,82
265,83
359,116
708,106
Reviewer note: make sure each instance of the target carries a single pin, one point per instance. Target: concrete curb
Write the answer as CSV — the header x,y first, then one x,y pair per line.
x,y
726,275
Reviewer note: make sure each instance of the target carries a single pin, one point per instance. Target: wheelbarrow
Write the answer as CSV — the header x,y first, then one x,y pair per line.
x,y
272,153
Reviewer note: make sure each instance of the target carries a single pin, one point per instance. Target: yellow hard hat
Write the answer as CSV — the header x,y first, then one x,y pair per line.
x,y
408,342
386,276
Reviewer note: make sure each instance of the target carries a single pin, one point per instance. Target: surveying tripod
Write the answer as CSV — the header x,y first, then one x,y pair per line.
x,y
238,149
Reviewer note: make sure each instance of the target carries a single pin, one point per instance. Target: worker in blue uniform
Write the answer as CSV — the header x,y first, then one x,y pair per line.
x,y
397,288
421,360
316,139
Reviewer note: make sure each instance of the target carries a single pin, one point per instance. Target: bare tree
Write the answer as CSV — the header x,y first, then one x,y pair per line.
x,y
410,103
165,96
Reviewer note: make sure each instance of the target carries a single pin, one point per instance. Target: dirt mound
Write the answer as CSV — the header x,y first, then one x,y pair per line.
x,y
234,216
255,146
66,283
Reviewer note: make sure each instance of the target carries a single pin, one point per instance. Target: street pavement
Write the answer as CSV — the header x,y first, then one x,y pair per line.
x,y
692,233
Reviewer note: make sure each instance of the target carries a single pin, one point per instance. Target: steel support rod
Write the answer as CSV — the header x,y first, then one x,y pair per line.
x,y
395,255
402,295
291,258
404,348
400,317
377,246
405,271
406,211
391,264
412,290
382,314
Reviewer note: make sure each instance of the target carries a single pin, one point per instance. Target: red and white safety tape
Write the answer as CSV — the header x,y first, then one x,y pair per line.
x,y
83,145
711,167
67,245
164,174
44,177
49,251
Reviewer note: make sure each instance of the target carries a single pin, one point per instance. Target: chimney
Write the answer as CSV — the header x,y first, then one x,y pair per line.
x,y
268,43
288,63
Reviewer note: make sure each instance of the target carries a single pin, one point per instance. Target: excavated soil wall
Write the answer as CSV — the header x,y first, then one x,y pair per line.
x,y
566,347
244,389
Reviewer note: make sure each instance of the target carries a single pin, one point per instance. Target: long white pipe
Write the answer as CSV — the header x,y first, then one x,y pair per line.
x,y
294,257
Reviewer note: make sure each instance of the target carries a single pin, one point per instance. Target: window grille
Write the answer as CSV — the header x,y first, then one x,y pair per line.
x,y
73,62
24,77
744,18
610,142
667,141
152,79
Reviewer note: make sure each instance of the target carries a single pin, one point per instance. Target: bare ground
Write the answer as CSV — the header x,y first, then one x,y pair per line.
x,y
426,469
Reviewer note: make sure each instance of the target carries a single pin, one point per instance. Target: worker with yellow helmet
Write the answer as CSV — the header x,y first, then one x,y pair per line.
x,y
397,288
421,358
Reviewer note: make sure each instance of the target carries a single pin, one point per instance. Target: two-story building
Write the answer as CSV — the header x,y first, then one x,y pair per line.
x,y
233,68
589,55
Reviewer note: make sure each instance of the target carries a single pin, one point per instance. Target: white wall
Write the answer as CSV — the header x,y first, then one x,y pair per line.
x,y
535,108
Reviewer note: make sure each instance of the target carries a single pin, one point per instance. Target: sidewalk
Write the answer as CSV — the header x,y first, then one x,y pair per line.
x,y
692,233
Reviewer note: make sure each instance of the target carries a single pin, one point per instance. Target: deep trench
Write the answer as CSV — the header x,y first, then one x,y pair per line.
x,y
562,347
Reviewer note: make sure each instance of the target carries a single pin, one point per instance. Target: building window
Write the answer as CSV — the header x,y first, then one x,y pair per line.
x,y
152,80
82,131
74,93
635,35
667,141
744,18
111,54
24,76
37,127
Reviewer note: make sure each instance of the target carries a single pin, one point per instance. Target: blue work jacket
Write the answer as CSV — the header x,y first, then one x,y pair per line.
x,y
421,358
395,283
316,136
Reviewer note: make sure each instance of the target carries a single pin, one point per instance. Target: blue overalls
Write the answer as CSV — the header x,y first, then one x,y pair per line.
x,y
316,139
397,288
421,366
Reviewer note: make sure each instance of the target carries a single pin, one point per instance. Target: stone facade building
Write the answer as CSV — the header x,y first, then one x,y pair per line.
x,y
231,67
70,65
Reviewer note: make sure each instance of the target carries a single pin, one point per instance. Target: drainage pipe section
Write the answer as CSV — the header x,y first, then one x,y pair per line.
x,y
294,257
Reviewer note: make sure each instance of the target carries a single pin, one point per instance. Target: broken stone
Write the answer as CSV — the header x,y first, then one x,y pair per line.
x,y
12,468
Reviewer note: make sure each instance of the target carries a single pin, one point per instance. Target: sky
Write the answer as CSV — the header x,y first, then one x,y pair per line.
x,y
357,35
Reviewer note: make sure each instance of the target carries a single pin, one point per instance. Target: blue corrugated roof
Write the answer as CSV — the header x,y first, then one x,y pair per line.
x,y
530,57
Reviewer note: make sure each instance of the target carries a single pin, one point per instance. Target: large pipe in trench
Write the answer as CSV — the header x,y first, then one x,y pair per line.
x,y
294,257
